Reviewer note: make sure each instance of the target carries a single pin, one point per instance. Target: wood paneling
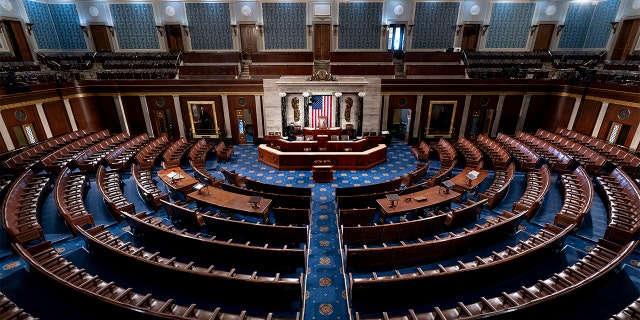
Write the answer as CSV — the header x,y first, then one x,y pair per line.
x,y
211,57
135,116
360,57
587,116
238,103
164,105
612,116
186,115
248,40
544,36
424,113
96,113
18,40
625,41
3,146
100,36
322,41
510,114
57,117
548,112
288,56
31,116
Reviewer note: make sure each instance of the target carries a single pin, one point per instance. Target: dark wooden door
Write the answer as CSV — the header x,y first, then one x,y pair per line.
x,y
174,37
544,36
627,33
248,40
18,40
470,35
100,36
239,127
321,41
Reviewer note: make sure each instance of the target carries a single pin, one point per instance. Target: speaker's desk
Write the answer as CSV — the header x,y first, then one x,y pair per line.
x,y
340,160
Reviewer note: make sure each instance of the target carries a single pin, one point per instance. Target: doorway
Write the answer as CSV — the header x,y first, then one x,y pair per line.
x,y
248,40
18,40
400,126
470,35
321,41
543,38
100,36
481,122
626,40
174,37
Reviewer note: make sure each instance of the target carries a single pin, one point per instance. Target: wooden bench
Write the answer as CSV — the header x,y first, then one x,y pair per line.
x,y
223,152
148,155
421,151
172,155
537,186
499,187
146,187
110,187
68,195
622,197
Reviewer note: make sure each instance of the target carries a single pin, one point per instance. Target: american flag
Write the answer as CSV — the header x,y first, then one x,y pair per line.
x,y
322,106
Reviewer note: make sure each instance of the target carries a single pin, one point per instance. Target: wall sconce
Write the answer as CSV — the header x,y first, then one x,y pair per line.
x,y
484,29
309,28
110,28
185,28
259,29
560,27
338,94
410,27
306,94
458,29
235,30
614,26
159,28
335,29
533,28
84,30
29,27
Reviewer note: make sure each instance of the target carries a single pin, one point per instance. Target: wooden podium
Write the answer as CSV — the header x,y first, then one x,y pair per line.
x,y
322,171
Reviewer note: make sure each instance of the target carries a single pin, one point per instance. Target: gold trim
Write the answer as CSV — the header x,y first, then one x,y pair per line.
x,y
215,119
451,121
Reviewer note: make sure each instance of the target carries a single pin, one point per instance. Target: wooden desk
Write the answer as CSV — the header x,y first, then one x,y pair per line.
x,y
183,185
322,131
234,202
322,173
462,183
340,160
432,197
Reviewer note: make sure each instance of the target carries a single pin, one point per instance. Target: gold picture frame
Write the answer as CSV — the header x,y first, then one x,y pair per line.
x,y
203,118
440,119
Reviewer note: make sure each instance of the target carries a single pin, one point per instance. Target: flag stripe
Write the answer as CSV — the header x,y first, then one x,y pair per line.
x,y
322,106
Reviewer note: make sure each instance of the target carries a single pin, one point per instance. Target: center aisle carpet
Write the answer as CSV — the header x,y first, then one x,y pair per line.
x,y
325,288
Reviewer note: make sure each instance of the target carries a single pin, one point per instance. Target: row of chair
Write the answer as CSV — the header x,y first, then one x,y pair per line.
x,y
530,301
32,155
367,234
120,157
278,200
499,156
421,151
237,284
499,187
440,247
69,193
110,187
242,255
472,154
10,310
623,204
537,185
21,206
223,152
255,185
494,267
629,162
90,158
446,151
197,158
376,188
416,175
555,156
55,161
172,155
146,187
578,197
124,302
591,160
148,155
527,158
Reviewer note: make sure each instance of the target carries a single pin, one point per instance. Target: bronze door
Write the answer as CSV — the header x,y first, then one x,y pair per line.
x,y
627,33
174,37
470,35
544,36
248,40
100,36
321,41
18,40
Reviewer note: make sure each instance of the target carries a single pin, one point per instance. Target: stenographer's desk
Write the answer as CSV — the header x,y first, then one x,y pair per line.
x,y
418,200
234,202
182,181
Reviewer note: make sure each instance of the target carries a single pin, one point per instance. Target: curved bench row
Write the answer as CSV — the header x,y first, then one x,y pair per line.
x,y
471,153
90,158
110,187
623,205
480,271
9,310
365,258
591,160
499,187
172,155
69,191
237,284
148,155
527,158
21,206
54,162
578,197
121,155
500,157
599,263
421,151
537,186
557,158
146,187
125,302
